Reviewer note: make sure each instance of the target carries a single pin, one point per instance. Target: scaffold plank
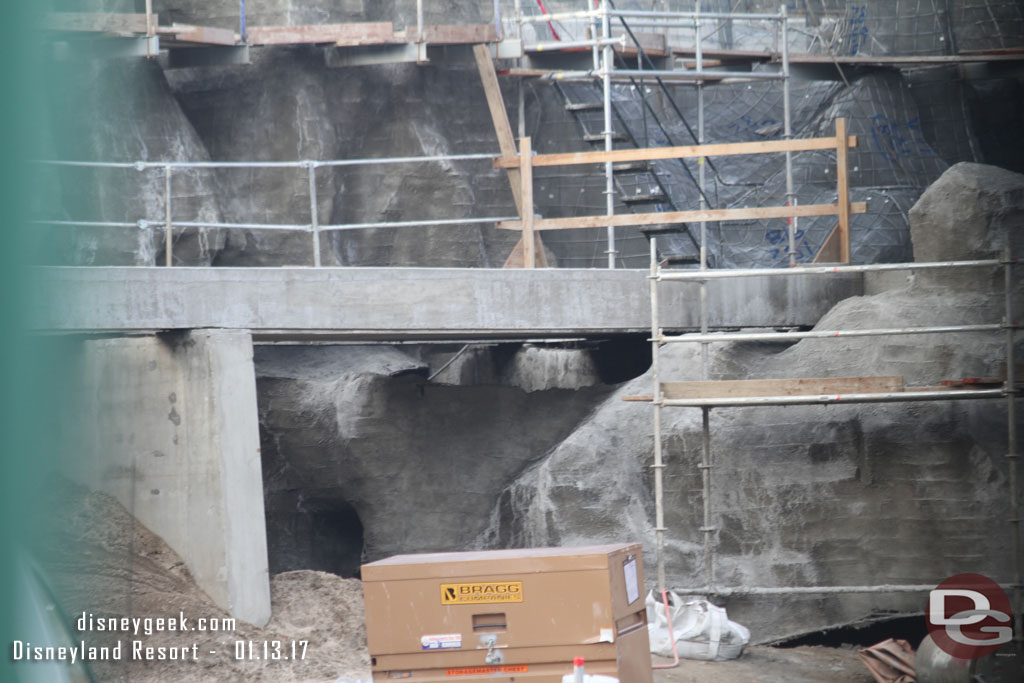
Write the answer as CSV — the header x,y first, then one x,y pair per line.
x,y
205,35
343,35
453,34
743,388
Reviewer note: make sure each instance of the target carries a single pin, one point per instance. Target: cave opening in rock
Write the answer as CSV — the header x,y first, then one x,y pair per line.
x,y
622,358
316,530
912,629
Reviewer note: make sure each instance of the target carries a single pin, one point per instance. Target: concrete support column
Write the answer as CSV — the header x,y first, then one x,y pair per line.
x,y
171,429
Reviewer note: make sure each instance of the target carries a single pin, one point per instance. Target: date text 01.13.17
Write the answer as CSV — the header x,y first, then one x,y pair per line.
x,y
271,649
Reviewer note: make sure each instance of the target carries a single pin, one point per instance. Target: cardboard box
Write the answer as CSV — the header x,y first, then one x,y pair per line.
x,y
508,615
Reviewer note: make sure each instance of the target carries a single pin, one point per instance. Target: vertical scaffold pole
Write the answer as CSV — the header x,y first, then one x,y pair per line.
x,y
701,163
1011,449
314,215
241,19
787,132
659,465
705,450
168,236
609,181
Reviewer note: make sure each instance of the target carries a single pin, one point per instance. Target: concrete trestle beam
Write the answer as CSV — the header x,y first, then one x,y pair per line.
x,y
415,303
169,427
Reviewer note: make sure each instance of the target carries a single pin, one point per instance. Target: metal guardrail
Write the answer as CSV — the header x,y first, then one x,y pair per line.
x,y
314,227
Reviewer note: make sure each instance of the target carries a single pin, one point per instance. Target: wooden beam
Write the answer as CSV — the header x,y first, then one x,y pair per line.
x,y
205,35
97,21
694,216
342,35
516,259
453,34
781,387
526,194
829,252
682,152
502,128
842,191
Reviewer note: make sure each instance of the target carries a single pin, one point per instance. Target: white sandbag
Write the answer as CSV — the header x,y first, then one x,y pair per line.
x,y
702,630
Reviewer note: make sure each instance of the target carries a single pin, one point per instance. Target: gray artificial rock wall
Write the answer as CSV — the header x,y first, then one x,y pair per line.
x,y
843,495
419,462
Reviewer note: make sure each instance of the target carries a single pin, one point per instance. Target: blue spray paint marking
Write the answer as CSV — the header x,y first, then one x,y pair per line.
x,y
779,241
745,124
895,139
858,28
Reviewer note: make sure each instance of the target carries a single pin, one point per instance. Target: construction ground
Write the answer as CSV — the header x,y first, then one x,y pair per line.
x,y
334,281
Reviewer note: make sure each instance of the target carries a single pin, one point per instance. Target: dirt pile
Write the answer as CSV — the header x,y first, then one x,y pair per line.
x,y
103,563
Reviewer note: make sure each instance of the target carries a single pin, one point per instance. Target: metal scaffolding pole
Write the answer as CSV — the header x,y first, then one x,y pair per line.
x,y
659,465
829,399
1012,456
707,529
823,270
314,216
168,237
623,74
704,338
609,176
641,14
788,134
560,16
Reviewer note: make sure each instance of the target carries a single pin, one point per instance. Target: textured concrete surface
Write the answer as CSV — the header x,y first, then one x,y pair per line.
x,y
361,451
125,111
967,214
415,303
843,495
168,426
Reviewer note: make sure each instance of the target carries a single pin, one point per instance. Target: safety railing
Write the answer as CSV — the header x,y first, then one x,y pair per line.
x,y
524,162
314,227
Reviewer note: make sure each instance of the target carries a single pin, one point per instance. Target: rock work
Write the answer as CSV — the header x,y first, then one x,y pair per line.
x,y
289,104
363,447
809,495
134,117
417,463
967,213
